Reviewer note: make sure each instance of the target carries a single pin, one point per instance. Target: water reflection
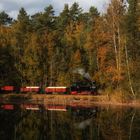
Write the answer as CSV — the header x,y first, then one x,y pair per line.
x,y
60,122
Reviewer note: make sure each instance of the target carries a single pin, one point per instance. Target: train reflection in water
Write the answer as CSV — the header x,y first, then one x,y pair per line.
x,y
81,115
76,109
41,122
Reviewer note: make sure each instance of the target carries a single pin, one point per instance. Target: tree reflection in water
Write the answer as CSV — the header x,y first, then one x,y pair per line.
x,y
76,123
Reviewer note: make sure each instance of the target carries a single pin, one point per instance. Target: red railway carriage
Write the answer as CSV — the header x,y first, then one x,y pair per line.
x,y
35,89
7,88
56,90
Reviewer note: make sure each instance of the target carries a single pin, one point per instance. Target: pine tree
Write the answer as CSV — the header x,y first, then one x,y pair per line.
x,y
20,30
5,19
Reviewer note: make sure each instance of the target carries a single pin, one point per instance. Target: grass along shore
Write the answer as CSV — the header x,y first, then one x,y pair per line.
x,y
83,100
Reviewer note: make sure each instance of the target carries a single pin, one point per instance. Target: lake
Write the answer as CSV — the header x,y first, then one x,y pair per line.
x,y
29,121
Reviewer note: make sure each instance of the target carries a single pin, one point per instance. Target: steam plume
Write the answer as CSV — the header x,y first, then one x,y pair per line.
x,y
82,72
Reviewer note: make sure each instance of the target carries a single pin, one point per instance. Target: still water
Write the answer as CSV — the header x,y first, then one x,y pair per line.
x,y
59,122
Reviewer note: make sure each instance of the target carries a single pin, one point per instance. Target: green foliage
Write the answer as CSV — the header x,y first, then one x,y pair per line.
x,y
5,19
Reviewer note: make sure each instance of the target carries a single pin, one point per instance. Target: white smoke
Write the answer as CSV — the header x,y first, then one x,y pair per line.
x,y
82,72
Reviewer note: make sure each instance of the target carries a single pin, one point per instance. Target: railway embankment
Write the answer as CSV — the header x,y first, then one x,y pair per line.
x,y
81,100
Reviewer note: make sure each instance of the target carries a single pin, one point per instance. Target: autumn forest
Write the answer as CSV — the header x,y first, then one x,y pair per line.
x,y
45,48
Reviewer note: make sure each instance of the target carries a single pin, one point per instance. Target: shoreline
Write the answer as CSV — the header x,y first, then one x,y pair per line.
x,y
79,100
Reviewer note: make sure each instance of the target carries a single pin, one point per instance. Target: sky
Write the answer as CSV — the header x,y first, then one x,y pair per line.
x,y
12,7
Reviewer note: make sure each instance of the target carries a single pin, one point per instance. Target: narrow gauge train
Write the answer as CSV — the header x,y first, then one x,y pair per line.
x,y
80,87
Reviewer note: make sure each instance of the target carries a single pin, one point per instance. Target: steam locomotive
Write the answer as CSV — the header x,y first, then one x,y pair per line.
x,y
79,87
